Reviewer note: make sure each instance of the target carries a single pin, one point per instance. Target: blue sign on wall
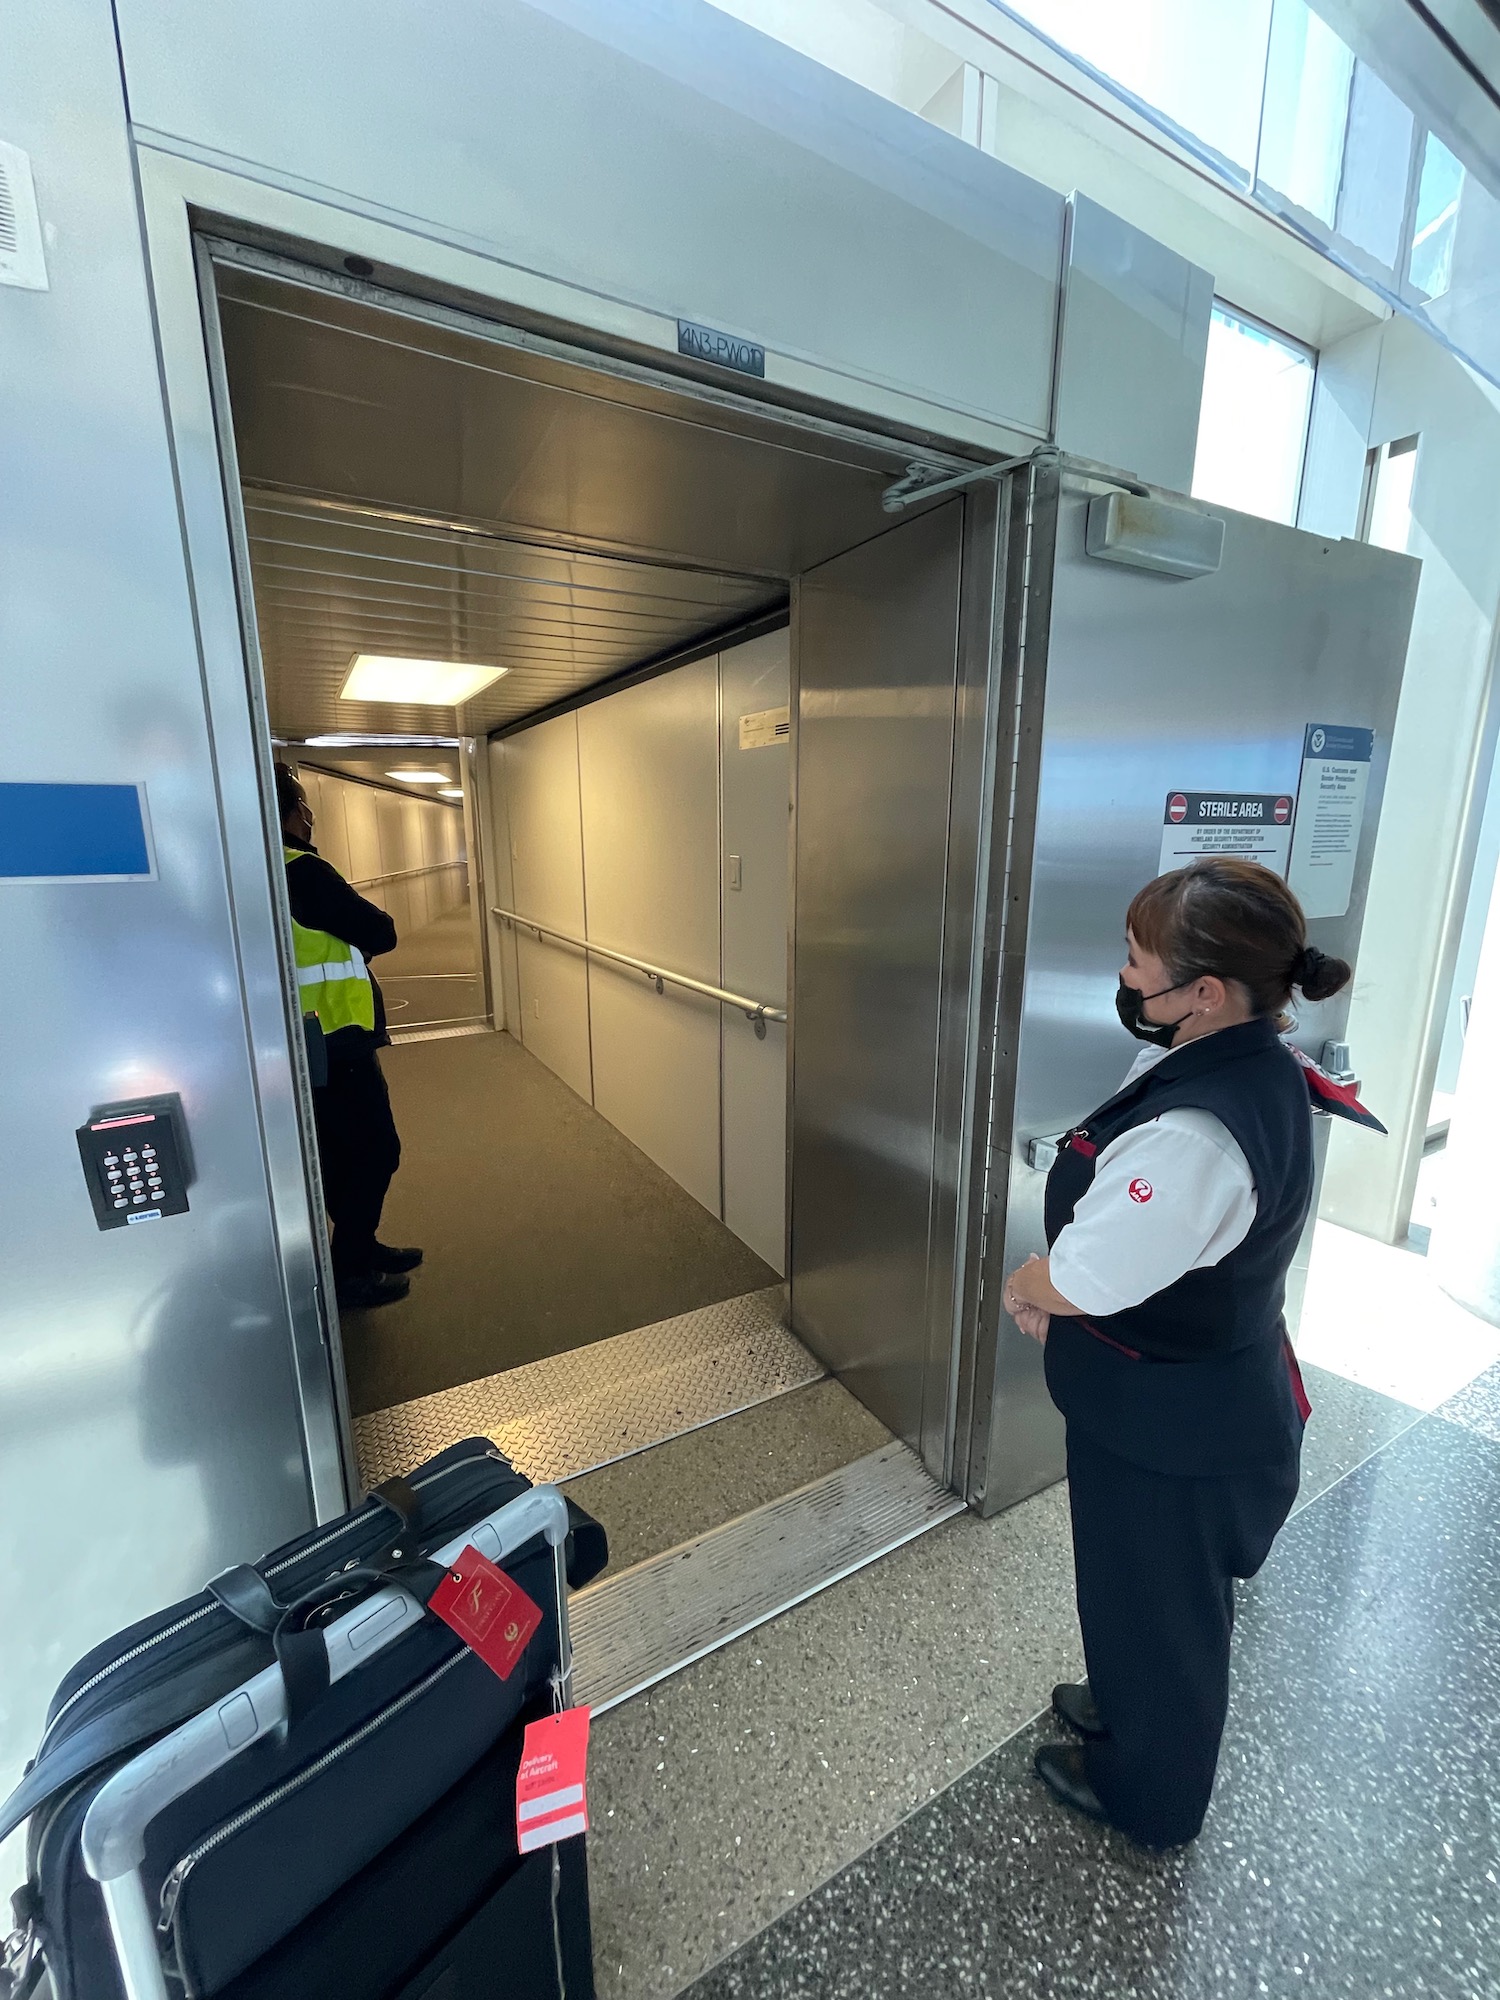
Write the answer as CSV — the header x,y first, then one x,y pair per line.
x,y
74,833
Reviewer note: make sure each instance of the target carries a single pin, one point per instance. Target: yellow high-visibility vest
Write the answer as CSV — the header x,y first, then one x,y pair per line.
x,y
331,978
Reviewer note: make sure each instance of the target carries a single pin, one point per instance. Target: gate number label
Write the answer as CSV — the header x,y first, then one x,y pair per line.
x,y
725,350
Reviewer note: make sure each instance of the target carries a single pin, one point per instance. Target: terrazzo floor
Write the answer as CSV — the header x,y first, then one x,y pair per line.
x,y
737,1789
1353,1848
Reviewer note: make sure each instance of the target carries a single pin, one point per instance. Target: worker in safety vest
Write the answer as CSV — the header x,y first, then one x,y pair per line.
x,y
334,932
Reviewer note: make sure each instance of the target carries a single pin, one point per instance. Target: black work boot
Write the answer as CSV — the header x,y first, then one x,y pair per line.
x,y
1060,1768
1073,1704
393,1261
370,1288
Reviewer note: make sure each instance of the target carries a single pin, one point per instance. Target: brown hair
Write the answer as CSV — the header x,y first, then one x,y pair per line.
x,y
1235,920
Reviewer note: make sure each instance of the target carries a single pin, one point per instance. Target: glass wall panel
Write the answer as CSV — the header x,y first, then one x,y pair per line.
x,y
1252,428
1202,62
1377,168
1438,195
1308,74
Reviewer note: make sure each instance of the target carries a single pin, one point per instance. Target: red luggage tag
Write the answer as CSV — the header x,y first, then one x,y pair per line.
x,y
551,1796
493,1616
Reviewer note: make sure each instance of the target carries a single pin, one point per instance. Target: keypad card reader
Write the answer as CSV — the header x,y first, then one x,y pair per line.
x,y
135,1162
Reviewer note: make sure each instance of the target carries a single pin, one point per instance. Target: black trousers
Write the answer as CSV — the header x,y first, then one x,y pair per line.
x,y
1156,1557
360,1150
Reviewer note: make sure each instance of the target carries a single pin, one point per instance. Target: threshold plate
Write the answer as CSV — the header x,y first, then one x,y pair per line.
x,y
401,1036
632,1630
571,1413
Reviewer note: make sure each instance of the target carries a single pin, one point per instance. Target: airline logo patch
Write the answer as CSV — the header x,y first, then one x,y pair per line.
x,y
552,1783
1141,1190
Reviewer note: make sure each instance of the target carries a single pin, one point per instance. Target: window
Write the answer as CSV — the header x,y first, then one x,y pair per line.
x,y
1306,111
1201,62
1377,168
1385,511
1252,429
1430,266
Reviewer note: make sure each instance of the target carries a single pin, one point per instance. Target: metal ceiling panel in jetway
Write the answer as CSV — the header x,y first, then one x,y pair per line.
x,y
416,487
330,583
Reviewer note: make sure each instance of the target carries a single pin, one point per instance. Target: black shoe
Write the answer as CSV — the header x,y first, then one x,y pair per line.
x,y
1060,1768
1073,1704
393,1261
374,1288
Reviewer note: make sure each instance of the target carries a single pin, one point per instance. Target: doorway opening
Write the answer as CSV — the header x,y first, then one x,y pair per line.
x,y
603,862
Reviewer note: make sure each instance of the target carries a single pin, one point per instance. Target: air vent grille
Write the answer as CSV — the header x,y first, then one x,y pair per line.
x,y
10,241
21,258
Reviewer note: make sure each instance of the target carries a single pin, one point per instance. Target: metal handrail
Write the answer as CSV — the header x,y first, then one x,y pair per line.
x,y
758,1011
401,874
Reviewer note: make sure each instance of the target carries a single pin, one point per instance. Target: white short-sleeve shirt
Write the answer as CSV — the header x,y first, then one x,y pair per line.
x,y
1168,1197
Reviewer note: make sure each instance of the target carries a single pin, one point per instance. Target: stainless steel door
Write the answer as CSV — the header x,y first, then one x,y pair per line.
x,y
886,850
1132,687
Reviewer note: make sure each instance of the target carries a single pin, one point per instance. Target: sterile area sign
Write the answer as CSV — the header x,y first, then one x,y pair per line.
x,y
1254,825
1330,816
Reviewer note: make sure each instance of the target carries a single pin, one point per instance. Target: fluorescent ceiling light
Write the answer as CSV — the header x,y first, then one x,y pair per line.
x,y
430,683
362,740
420,777
451,792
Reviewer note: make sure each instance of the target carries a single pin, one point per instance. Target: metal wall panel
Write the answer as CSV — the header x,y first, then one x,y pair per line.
x,y
152,1422
662,155
756,787
875,662
546,860
648,763
1153,685
1131,347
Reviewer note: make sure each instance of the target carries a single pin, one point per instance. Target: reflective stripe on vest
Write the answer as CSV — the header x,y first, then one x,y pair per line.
x,y
331,978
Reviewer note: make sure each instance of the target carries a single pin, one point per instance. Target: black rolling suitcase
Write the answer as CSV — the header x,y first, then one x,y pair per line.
x,y
301,1783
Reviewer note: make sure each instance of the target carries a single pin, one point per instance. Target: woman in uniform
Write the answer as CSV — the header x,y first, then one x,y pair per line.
x,y
1172,1215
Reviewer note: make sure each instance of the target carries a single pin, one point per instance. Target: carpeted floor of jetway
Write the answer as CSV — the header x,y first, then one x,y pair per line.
x,y
432,974
544,1228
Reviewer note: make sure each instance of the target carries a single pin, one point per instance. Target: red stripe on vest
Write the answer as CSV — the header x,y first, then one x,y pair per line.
x,y
1299,1390
1130,1353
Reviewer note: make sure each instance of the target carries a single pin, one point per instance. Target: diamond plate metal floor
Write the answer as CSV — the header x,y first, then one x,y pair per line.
x,y
400,1036
571,1413
632,1630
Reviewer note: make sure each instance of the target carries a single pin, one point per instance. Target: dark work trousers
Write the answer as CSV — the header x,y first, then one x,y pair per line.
x,y
1156,1557
360,1150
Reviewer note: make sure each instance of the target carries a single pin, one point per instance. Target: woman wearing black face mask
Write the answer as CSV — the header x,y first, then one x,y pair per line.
x,y
1173,1213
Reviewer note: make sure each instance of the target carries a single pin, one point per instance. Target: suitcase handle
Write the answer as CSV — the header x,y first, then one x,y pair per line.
x,y
301,1652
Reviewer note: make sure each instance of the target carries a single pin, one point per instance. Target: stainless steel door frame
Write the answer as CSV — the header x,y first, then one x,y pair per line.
x,y
213,530
980,708
211,503
992,1369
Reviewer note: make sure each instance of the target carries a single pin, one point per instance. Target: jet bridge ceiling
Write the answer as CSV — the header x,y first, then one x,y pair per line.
x,y
417,488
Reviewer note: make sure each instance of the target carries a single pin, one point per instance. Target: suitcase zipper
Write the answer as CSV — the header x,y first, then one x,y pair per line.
x,y
192,1617
171,1888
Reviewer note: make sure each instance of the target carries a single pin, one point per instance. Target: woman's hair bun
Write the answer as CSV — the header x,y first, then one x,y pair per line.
x,y
1318,976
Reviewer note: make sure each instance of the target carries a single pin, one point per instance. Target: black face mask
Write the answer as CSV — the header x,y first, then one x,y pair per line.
x,y
1130,1006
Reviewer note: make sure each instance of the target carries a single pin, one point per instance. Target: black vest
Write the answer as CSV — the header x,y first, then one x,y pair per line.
x,y
1229,1403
